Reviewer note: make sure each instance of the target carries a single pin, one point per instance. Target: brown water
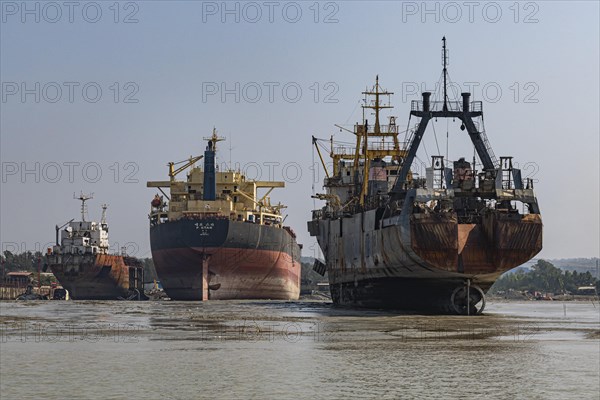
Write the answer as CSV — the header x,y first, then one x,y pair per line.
x,y
281,350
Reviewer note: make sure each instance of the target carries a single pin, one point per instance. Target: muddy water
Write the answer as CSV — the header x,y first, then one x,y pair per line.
x,y
236,349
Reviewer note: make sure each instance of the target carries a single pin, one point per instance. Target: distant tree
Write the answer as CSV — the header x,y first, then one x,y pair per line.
x,y
544,277
26,261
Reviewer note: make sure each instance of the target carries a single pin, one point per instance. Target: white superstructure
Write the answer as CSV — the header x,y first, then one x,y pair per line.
x,y
84,237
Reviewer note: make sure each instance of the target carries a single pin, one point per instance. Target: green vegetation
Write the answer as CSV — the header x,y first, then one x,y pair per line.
x,y
545,277
581,265
26,261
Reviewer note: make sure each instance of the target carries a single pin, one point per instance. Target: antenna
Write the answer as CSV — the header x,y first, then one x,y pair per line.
x,y
83,198
445,63
377,91
230,149
213,140
103,219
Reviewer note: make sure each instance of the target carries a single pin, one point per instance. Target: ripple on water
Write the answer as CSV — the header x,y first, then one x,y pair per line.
x,y
294,350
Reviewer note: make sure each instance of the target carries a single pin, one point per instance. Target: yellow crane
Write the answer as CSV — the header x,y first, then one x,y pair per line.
x,y
187,163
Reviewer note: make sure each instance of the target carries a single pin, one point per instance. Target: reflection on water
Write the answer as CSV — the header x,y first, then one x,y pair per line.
x,y
233,349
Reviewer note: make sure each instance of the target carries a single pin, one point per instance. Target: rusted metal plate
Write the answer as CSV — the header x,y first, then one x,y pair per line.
x,y
92,277
435,239
477,252
501,242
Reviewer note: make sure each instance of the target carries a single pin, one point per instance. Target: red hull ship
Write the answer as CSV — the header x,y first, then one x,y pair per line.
x,y
216,239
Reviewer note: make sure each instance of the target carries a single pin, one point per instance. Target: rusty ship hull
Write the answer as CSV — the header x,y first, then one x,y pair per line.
x,y
98,276
417,262
436,242
220,259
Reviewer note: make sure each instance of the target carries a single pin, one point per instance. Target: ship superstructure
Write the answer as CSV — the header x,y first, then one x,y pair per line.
x,y
82,264
216,236
392,238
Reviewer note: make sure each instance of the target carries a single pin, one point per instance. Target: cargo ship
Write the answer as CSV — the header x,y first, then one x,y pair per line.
x,y
392,238
82,264
213,238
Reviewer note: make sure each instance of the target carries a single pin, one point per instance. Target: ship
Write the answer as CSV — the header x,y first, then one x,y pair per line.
x,y
213,238
84,266
393,238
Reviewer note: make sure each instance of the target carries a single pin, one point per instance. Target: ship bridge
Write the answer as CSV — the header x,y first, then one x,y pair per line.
x,y
208,192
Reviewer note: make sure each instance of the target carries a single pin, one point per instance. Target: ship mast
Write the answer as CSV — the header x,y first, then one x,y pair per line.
x,y
83,198
445,63
427,110
210,172
103,219
376,106
214,139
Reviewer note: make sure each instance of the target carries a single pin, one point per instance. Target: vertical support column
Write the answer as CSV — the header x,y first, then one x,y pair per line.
x,y
205,259
468,297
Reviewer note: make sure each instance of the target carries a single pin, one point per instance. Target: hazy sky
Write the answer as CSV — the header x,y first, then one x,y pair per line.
x,y
99,96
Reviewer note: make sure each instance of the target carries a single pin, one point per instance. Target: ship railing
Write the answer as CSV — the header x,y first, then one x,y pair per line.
x,y
383,146
417,105
203,214
158,210
373,145
158,217
384,129
344,150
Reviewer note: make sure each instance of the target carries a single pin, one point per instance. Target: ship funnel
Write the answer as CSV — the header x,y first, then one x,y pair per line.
x,y
210,181
465,97
426,96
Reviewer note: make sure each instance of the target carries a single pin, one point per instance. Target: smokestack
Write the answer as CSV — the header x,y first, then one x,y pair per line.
x,y
210,180
426,96
466,101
